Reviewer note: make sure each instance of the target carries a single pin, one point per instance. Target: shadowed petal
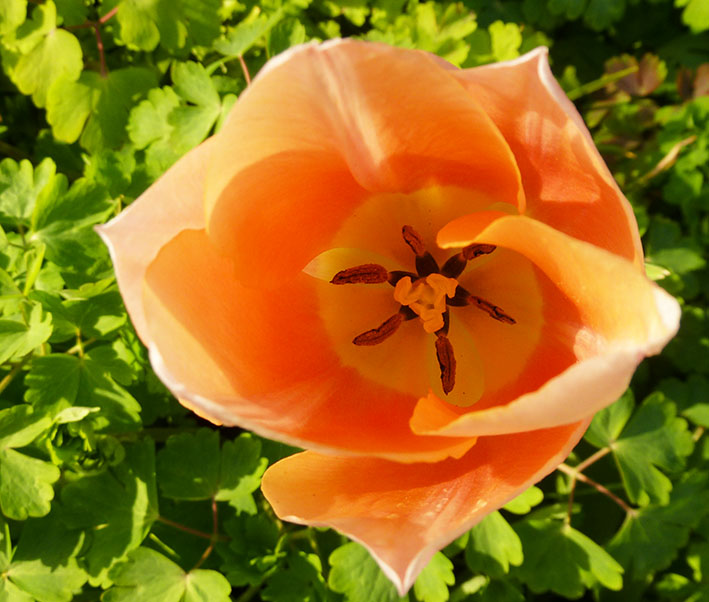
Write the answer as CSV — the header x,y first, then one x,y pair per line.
x,y
567,184
358,119
623,317
404,513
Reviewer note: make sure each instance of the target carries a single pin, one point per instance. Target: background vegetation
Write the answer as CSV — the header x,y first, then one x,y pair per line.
x,y
110,490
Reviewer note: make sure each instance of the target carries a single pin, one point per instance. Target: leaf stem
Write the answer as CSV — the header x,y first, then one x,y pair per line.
x,y
575,474
13,152
186,529
245,69
592,459
14,371
214,537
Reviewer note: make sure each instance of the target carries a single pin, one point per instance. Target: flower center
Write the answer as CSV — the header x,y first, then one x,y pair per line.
x,y
426,294
427,297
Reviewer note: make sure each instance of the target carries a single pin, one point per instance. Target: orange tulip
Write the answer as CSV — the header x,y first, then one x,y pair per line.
x,y
425,276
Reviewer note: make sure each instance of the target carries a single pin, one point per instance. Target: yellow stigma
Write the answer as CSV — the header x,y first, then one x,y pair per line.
x,y
426,297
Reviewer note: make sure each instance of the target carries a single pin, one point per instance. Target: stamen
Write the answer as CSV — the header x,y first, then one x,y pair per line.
x,y
492,310
455,265
446,362
476,250
380,333
368,273
414,240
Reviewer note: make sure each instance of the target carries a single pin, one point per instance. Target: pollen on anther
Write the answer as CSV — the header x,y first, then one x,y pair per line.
x,y
368,273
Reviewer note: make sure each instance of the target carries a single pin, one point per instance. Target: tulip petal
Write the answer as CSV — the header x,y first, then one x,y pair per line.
x,y
358,119
622,317
170,205
567,184
264,360
404,513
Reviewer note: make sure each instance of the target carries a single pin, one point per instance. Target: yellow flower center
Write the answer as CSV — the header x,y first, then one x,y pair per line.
x,y
426,297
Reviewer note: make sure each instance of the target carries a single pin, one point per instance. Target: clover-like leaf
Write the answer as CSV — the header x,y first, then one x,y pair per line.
x,y
19,335
96,107
44,565
650,537
432,583
20,186
148,576
493,546
58,381
355,574
579,563
192,467
45,55
25,482
651,439
300,580
12,15
116,507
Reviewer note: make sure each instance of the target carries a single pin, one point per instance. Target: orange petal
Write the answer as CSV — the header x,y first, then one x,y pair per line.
x,y
172,204
567,184
404,513
325,126
263,360
622,317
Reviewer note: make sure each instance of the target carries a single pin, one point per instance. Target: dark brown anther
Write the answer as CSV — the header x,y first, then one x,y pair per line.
x,y
454,266
476,250
397,275
492,310
368,273
407,313
380,333
446,361
414,240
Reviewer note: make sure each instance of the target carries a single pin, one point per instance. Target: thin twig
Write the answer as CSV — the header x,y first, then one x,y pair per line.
x,y
187,529
214,538
245,69
9,377
592,459
13,152
572,472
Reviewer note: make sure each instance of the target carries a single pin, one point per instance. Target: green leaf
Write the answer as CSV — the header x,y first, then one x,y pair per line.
x,y
653,438
19,337
44,565
20,186
695,14
572,9
600,14
432,583
25,482
242,37
252,548
650,537
176,24
97,106
12,15
355,574
493,546
148,576
58,381
525,501
299,581
690,396
505,38
191,467
579,563
191,124
117,507
56,54
148,120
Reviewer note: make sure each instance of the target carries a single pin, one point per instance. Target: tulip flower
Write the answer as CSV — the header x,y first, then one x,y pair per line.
x,y
424,276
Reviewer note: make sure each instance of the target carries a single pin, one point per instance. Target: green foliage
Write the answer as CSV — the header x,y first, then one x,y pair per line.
x,y
110,489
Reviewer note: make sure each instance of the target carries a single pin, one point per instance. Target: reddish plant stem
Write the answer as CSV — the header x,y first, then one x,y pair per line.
x,y
96,26
214,537
187,529
592,459
574,474
245,69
